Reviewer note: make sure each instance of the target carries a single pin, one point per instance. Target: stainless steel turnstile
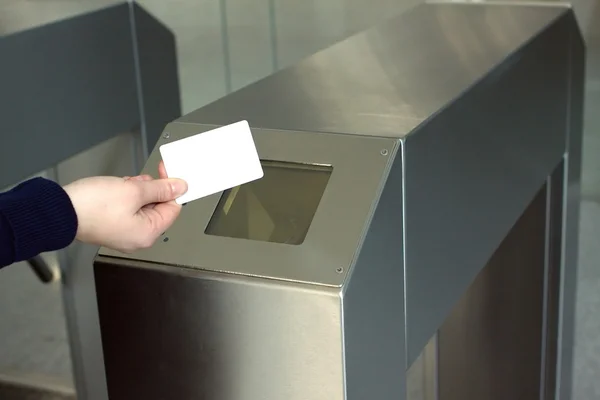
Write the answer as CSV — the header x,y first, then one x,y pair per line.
x,y
414,235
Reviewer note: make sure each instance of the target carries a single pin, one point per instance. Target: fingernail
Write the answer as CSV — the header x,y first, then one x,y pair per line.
x,y
179,187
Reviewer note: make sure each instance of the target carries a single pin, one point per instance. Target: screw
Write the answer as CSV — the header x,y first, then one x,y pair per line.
x,y
166,239
339,270
166,135
384,152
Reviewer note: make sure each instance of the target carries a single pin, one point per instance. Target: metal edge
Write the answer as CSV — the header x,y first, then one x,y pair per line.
x,y
571,212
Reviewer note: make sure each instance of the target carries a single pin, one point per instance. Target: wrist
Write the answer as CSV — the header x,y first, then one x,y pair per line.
x,y
71,191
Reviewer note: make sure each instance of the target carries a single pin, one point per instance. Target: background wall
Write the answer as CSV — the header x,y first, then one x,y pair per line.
x,y
224,45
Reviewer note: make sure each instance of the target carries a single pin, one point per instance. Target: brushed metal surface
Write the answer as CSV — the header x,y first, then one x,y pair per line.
x,y
490,347
489,105
570,212
471,171
373,303
157,75
422,375
389,79
335,234
174,333
555,203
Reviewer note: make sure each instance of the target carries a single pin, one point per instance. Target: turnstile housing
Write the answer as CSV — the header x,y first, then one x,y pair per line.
x,y
420,191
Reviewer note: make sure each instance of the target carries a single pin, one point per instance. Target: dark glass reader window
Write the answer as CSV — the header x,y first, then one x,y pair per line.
x,y
277,208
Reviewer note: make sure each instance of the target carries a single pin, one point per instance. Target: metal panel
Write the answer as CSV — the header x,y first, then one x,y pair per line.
x,y
472,170
190,334
73,84
571,203
483,92
492,338
552,281
335,234
156,73
372,83
47,77
422,375
373,301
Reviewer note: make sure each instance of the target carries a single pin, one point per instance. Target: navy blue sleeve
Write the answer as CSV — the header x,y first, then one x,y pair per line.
x,y
35,217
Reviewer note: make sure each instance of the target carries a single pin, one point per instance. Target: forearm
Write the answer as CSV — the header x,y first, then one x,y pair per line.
x,y
35,217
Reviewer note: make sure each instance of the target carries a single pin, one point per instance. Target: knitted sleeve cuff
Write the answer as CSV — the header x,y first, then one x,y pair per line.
x,y
41,217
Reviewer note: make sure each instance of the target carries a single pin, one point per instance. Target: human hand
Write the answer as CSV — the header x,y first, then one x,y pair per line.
x,y
125,214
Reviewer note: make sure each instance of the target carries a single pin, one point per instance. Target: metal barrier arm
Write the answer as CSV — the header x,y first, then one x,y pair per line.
x,y
41,269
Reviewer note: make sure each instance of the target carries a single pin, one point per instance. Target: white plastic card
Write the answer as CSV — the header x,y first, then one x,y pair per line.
x,y
213,161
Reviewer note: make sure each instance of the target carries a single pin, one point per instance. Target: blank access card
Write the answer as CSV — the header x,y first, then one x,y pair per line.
x,y
213,161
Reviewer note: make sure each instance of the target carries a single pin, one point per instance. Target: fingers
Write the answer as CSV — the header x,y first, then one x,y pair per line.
x,y
144,178
160,190
138,178
161,217
162,171
162,174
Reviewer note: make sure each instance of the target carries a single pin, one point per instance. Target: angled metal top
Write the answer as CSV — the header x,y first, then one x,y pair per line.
x,y
333,234
386,80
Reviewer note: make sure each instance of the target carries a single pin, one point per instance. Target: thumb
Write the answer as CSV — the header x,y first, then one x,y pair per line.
x,y
161,190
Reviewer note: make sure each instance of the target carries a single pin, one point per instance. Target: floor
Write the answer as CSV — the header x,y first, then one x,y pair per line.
x,y
40,387
261,36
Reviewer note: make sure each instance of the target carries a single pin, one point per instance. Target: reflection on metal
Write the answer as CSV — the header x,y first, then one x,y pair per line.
x,y
427,250
422,375
555,204
273,36
492,338
225,45
278,208
335,232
